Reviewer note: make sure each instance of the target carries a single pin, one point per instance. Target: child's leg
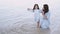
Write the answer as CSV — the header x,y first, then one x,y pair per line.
x,y
38,24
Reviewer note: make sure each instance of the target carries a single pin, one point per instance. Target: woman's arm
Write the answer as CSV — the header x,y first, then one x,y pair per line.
x,y
45,17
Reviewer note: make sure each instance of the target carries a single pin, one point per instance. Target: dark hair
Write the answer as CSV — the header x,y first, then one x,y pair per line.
x,y
35,6
45,8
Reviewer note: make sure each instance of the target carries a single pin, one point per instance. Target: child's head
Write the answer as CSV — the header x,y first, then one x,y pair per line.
x,y
45,8
35,7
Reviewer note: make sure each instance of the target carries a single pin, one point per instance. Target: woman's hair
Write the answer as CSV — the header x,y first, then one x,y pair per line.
x,y
35,6
45,8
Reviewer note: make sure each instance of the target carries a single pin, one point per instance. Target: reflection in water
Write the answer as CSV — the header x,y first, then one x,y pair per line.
x,y
43,31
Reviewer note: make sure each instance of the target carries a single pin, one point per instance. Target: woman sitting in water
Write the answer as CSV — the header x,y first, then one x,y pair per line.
x,y
46,17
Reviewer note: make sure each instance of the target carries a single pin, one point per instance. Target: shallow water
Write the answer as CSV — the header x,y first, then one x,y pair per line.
x,y
14,24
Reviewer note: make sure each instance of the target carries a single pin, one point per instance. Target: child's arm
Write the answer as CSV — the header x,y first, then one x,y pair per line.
x,y
30,9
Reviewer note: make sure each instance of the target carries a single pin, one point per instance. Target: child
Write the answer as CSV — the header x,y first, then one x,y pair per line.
x,y
37,12
45,22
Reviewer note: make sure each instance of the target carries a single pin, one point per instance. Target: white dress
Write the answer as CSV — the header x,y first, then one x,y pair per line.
x,y
45,22
37,15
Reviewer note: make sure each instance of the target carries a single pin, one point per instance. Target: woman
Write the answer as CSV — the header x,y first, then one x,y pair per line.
x,y
46,17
